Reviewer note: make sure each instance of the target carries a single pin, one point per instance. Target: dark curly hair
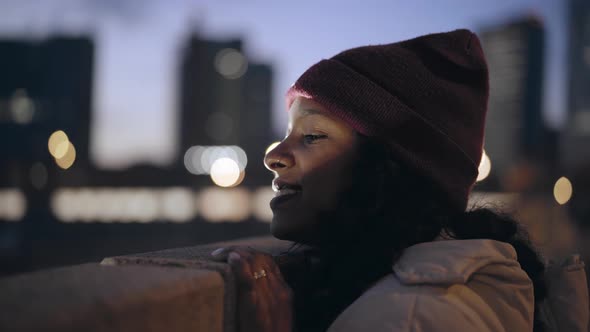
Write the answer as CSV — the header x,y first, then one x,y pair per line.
x,y
387,209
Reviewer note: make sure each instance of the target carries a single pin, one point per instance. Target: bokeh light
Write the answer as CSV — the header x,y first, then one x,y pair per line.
x,y
224,205
142,206
199,159
58,144
192,159
87,207
177,205
124,205
563,190
22,107
62,205
225,172
13,205
231,63
261,203
68,159
485,166
111,205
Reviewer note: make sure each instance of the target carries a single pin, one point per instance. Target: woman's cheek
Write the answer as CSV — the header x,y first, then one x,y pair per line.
x,y
324,186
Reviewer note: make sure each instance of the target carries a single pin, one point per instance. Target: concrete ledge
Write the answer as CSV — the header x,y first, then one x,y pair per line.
x,y
170,290
93,297
199,257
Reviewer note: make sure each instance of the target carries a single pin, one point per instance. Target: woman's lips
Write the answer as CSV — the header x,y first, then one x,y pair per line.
x,y
283,197
286,191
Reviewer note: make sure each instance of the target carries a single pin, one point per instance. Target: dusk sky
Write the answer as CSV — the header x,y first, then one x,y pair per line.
x,y
138,43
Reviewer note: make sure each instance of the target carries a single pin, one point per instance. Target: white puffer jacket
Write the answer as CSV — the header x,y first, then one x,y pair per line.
x,y
447,285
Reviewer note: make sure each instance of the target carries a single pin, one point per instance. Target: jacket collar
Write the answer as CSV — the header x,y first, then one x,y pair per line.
x,y
451,261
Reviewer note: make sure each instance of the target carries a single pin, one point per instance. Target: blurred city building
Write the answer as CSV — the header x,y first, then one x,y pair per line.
x,y
45,87
225,101
518,142
256,127
575,144
576,141
45,91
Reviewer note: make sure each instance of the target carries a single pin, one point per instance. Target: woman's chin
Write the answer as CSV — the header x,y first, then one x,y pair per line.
x,y
282,230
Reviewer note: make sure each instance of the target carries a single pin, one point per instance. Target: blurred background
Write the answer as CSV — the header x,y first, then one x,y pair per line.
x,y
130,126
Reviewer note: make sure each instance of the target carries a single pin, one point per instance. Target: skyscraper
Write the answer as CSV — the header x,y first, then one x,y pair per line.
x,y
579,56
225,100
45,86
515,127
211,92
575,144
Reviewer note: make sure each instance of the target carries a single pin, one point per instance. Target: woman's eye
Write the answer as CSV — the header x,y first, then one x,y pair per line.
x,y
309,139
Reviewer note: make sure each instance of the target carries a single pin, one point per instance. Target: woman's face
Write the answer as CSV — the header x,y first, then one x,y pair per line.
x,y
312,167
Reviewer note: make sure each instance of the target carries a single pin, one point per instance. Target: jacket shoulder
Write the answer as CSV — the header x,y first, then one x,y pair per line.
x,y
391,307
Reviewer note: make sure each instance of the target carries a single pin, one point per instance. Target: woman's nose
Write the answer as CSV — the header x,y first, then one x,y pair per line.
x,y
278,158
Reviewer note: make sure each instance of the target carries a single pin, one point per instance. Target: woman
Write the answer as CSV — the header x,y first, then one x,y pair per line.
x,y
373,177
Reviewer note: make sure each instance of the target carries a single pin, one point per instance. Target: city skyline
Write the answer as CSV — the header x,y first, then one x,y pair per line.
x,y
277,34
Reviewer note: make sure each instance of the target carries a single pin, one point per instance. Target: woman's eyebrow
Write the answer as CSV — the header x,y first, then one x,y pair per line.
x,y
310,111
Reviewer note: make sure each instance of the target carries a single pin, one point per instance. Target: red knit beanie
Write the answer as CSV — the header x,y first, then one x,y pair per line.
x,y
427,97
